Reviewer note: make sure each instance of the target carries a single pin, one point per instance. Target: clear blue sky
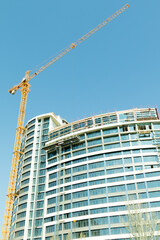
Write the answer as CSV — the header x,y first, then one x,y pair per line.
x,y
116,69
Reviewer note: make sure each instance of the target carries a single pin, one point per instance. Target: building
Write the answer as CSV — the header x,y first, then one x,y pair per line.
x,y
76,180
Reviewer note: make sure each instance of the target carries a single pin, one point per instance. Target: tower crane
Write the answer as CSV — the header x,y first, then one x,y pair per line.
x,y
24,88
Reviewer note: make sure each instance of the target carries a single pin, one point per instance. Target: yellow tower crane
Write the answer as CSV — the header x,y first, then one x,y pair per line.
x,y
24,87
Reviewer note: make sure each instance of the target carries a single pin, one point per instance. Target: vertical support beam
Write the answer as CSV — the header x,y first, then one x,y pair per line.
x,y
59,149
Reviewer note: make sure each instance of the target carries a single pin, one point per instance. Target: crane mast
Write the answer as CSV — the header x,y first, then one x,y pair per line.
x,y
24,88
15,161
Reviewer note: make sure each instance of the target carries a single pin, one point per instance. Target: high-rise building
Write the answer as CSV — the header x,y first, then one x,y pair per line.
x,y
76,180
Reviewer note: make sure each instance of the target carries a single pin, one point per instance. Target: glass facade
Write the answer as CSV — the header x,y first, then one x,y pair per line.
x,y
76,180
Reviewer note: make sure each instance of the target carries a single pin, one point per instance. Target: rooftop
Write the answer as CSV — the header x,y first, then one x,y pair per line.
x,y
143,114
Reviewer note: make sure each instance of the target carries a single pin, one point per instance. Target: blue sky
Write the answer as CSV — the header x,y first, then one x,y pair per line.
x,y
116,69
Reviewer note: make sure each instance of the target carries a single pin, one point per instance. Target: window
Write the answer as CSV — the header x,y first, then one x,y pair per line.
x,y
37,231
155,204
67,225
118,188
67,180
98,201
41,180
24,197
41,187
156,126
28,153
50,229
117,198
117,208
128,169
125,144
80,168
39,213
80,194
80,213
96,165
67,206
116,179
27,160
25,189
52,154
94,149
21,215
81,223
67,196
96,174
95,157
130,177
51,210
51,192
124,137
120,230
79,177
137,159
97,191
52,176
115,219
101,181
153,174
25,182
38,222
153,184
68,171
19,233
99,232
78,160
67,188
124,128
42,172
141,127
94,142
22,206
79,185
77,146
79,152
142,195
127,160
134,136
141,185
51,200
26,167
80,204
67,215
93,134
131,186
110,131
150,159
111,139
20,224
114,162
154,194
138,168
40,196
40,204
138,176
110,146
80,234
99,210
115,170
